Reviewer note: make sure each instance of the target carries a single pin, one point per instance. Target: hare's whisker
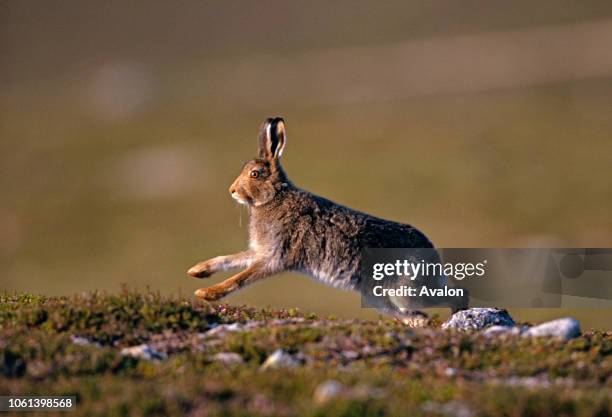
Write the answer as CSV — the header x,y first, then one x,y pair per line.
x,y
240,209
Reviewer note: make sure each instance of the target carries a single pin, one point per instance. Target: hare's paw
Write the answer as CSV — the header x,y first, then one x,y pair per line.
x,y
205,294
201,270
209,294
414,319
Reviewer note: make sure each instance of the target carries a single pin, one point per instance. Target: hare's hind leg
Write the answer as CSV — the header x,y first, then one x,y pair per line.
x,y
220,263
253,273
412,318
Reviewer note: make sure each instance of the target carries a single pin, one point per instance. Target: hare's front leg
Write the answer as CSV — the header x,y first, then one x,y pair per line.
x,y
253,273
221,263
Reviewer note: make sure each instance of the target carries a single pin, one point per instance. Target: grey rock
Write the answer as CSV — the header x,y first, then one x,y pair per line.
x,y
478,318
503,331
144,352
221,329
498,330
327,390
279,359
565,328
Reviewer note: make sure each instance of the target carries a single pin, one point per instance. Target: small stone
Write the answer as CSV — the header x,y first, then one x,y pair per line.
x,y
144,352
228,358
565,328
82,341
221,329
497,330
478,318
350,355
279,359
327,390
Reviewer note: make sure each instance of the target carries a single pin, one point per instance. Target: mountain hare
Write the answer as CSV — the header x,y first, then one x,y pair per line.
x,y
293,230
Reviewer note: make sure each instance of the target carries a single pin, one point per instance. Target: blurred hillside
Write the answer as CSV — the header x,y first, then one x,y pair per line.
x,y
482,122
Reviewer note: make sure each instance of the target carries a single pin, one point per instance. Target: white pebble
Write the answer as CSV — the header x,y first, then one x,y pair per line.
x,y
144,352
565,328
326,391
279,359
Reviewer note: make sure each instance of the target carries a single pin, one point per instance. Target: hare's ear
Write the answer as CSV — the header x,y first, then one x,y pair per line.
x,y
272,139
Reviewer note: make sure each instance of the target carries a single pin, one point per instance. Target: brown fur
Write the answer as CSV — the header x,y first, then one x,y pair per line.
x,y
293,230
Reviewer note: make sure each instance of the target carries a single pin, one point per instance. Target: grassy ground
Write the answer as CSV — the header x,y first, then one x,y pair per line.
x,y
383,369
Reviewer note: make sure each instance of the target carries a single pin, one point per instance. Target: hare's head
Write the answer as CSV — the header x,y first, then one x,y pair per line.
x,y
262,178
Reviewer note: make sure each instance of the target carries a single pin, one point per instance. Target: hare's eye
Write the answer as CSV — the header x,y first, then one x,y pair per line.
x,y
254,174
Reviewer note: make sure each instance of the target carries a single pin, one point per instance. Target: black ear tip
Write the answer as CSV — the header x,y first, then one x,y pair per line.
x,y
272,138
272,124
274,120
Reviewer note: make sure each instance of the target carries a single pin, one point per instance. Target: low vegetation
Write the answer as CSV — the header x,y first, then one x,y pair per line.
x,y
73,346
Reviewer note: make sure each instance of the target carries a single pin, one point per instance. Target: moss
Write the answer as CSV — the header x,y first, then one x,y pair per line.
x,y
385,369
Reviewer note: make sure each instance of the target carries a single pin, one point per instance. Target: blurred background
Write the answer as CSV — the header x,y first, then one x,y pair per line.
x,y
484,123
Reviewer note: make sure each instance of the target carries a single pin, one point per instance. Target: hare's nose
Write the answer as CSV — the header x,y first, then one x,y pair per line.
x,y
232,190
